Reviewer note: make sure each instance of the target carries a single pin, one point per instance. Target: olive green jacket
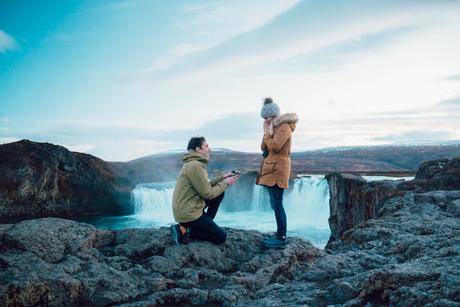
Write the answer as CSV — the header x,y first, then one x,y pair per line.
x,y
193,187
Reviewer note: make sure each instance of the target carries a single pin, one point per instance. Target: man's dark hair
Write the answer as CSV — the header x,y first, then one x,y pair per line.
x,y
195,142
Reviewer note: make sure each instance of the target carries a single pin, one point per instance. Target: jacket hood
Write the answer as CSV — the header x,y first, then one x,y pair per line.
x,y
286,118
289,118
192,155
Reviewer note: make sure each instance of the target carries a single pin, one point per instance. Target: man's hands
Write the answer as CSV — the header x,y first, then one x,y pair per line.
x,y
231,178
229,174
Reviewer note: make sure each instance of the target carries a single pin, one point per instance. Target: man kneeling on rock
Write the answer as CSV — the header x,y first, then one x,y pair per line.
x,y
194,193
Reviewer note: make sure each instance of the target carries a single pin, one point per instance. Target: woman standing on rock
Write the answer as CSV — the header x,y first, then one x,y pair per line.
x,y
276,164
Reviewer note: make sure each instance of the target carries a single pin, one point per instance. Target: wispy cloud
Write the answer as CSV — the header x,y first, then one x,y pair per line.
x,y
61,37
7,42
452,78
409,119
174,56
434,123
229,127
242,52
233,126
417,136
226,20
244,15
4,120
337,55
125,4
453,102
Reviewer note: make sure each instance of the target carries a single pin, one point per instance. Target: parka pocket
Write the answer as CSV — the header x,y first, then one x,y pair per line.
x,y
268,167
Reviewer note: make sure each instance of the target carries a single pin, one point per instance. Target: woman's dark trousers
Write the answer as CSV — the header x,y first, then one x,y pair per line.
x,y
204,227
276,201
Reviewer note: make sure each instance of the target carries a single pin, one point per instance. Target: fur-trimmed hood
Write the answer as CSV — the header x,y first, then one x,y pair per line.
x,y
289,118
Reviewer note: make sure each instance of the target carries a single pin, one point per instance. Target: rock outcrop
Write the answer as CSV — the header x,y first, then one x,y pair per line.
x,y
60,262
407,257
354,200
41,179
405,235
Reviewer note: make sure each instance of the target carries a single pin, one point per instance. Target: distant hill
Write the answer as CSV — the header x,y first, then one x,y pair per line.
x,y
392,160
404,157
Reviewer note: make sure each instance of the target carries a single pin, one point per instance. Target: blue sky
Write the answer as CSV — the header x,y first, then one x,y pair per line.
x,y
123,79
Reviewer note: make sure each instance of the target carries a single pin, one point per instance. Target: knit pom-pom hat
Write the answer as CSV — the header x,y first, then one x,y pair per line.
x,y
269,109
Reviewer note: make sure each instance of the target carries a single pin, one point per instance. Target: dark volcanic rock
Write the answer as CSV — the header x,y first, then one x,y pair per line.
x,y
41,179
354,201
71,263
415,250
407,235
429,169
441,174
407,257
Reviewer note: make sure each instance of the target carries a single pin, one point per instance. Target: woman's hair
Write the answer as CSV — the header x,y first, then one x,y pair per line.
x,y
195,142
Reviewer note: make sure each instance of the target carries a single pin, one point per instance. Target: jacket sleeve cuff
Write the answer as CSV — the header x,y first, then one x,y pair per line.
x,y
216,180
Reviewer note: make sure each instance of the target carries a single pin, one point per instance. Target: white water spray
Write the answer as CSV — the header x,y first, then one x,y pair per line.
x,y
306,204
153,201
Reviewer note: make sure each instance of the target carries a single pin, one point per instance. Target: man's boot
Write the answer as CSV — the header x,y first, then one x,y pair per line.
x,y
176,234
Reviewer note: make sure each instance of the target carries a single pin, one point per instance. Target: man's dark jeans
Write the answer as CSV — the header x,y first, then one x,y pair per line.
x,y
276,201
204,227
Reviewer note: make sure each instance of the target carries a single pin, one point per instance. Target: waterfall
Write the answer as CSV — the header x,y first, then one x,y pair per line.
x,y
307,197
306,202
153,201
260,199
245,206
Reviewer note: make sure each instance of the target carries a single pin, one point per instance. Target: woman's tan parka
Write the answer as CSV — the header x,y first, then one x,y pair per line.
x,y
276,167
